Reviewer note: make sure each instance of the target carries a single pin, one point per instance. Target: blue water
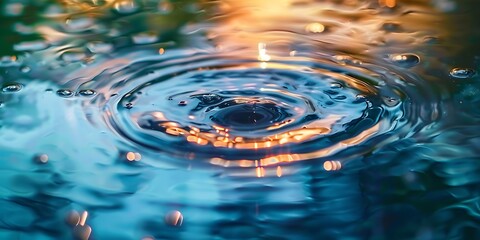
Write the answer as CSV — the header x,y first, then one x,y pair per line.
x,y
354,119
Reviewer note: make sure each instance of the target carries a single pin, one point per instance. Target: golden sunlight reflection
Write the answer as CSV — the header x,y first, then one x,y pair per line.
x,y
260,171
315,28
133,156
223,139
387,3
285,158
332,165
262,52
279,171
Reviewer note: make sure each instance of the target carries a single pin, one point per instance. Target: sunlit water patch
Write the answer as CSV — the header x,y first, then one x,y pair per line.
x,y
238,120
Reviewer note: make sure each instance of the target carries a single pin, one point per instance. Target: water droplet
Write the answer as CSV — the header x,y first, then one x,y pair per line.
x,y
126,7
462,73
336,85
87,92
390,101
25,69
406,60
360,96
182,103
99,47
65,93
129,105
42,158
145,38
73,56
31,46
79,23
12,87
174,218
133,156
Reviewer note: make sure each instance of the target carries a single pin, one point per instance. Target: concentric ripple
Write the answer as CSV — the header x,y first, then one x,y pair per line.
x,y
235,111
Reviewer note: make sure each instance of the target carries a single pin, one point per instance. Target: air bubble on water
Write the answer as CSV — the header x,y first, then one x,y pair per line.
x,y
73,56
462,72
390,101
87,92
360,96
64,92
25,69
12,87
182,103
36,45
406,60
41,158
79,23
336,85
126,7
99,47
145,38
174,218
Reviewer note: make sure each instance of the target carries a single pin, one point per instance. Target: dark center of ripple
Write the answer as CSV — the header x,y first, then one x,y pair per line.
x,y
245,115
